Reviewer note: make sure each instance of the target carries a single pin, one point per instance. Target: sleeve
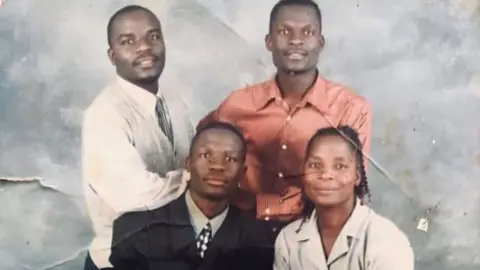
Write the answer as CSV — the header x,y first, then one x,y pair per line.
x,y
114,170
359,117
390,249
124,255
282,251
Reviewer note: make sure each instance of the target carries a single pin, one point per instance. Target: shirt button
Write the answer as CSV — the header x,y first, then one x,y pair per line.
x,y
267,218
289,118
274,229
267,211
284,146
280,175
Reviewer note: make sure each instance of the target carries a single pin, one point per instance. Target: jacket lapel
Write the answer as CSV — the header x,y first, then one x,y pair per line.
x,y
180,229
225,240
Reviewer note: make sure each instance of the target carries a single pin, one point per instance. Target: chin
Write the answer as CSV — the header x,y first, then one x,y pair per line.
x,y
296,69
147,78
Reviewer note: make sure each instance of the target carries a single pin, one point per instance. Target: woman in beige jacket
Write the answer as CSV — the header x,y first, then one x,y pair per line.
x,y
337,231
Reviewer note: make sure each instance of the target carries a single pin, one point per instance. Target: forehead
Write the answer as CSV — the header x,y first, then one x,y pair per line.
x,y
221,139
331,146
135,22
297,14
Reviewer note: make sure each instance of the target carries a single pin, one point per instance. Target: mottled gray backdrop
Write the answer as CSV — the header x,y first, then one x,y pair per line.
x,y
417,61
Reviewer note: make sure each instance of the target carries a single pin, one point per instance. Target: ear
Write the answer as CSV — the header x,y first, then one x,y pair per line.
x,y
359,179
322,42
111,56
188,165
268,42
241,175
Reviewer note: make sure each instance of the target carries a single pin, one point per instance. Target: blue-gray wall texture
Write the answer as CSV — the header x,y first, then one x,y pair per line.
x,y
417,61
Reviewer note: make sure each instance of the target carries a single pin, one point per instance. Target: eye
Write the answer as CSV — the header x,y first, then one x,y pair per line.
x,y
126,41
283,32
231,159
340,166
204,155
308,32
155,37
313,165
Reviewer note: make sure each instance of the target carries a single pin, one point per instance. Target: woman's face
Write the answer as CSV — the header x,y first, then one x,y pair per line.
x,y
330,171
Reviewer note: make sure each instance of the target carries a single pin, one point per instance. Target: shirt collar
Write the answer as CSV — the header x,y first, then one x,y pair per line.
x,y
350,229
199,220
141,96
316,95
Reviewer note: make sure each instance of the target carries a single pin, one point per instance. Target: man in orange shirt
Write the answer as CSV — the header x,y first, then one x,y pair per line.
x,y
279,116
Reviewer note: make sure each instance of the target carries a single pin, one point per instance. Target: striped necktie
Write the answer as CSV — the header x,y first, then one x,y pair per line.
x,y
164,118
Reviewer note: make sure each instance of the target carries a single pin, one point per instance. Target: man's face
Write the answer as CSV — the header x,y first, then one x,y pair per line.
x,y
137,47
216,164
295,39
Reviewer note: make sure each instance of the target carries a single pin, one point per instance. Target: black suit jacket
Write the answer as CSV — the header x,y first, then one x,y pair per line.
x,y
164,239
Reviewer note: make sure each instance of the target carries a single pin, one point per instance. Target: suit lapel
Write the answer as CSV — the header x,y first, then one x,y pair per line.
x,y
180,228
226,239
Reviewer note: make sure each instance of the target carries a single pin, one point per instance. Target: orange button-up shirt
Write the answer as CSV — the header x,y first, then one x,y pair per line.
x,y
277,137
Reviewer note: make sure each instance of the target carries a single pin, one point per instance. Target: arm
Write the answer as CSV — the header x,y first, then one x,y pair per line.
x,y
282,253
115,171
124,256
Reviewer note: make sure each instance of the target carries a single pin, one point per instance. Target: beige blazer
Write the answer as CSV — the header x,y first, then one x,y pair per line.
x,y
368,241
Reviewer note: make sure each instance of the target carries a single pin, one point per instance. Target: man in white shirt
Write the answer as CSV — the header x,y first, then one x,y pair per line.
x,y
132,153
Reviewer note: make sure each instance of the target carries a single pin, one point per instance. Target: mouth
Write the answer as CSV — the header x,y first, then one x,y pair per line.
x,y
215,181
296,54
145,62
326,190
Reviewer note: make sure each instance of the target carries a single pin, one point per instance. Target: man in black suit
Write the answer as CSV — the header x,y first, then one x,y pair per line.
x,y
200,230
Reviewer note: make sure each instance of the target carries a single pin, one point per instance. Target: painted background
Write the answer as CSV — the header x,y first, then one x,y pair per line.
x,y
417,61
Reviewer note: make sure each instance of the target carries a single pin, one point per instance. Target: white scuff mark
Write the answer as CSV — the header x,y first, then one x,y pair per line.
x,y
423,224
61,262
36,179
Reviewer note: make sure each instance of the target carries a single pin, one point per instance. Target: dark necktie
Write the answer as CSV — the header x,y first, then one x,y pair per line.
x,y
164,118
204,238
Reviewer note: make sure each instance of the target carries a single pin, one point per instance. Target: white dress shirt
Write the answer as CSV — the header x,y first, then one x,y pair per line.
x,y
128,162
368,241
199,220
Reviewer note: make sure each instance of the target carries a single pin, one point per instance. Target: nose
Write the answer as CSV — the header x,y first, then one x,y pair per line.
x,y
326,174
143,45
296,39
216,165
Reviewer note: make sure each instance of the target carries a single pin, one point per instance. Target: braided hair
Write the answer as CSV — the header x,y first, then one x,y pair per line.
x,y
352,138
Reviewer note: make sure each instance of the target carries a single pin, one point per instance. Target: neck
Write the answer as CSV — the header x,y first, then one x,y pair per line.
x,y
150,87
330,220
295,85
210,208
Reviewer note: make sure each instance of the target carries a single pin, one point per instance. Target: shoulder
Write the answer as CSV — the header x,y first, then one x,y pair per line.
x,y
340,91
107,105
288,233
384,233
386,229
245,94
134,224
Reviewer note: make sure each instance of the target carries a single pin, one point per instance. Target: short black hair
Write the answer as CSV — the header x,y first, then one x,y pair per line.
x,y
351,137
120,12
284,3
220,125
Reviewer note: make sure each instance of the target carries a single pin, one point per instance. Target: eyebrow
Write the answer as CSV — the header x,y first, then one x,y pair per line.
x,y
124,35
